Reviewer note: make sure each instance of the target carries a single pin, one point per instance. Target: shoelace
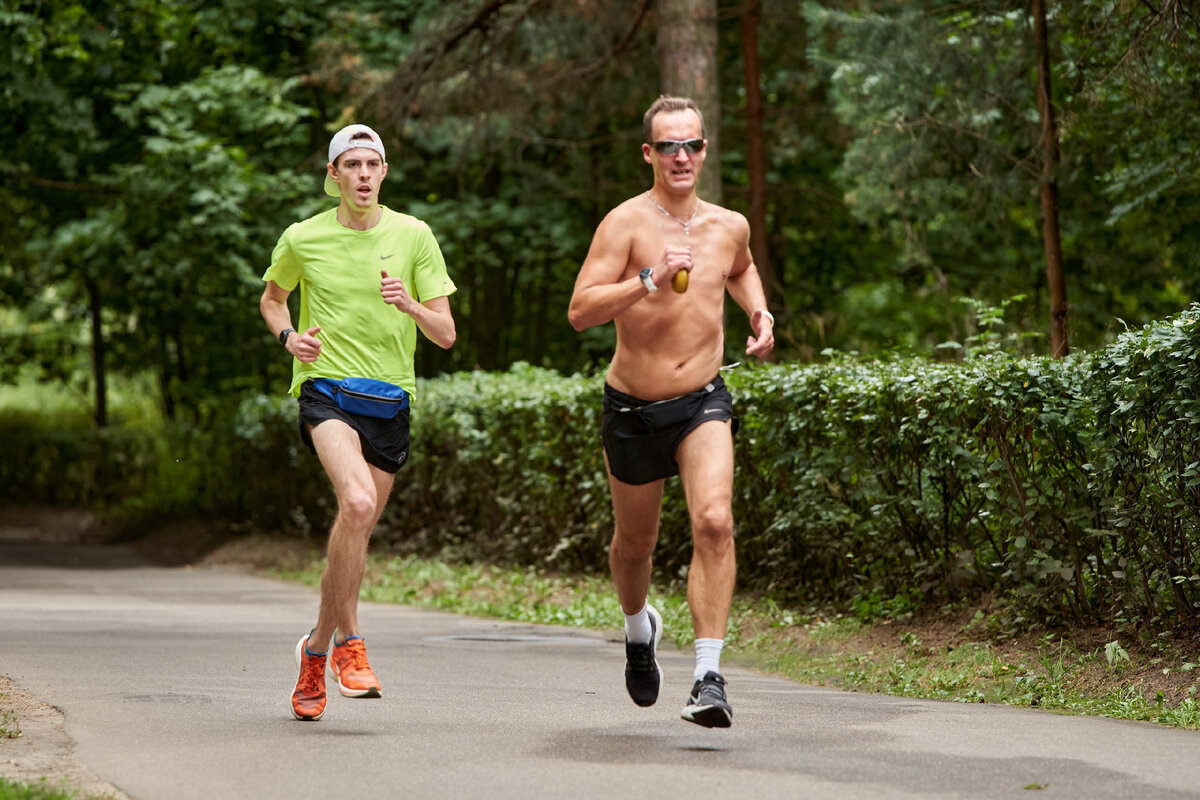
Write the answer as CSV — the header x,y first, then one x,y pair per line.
x,y
641,657
353,656
313,674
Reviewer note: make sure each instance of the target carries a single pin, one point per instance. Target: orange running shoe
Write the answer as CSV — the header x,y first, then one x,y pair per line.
x,y
308,701
349,665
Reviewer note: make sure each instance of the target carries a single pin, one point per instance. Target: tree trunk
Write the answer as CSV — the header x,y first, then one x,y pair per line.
x,y
755,156
164,372
687,63
1051,239
100,414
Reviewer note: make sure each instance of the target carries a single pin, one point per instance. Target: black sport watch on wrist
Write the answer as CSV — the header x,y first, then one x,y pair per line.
x,y
647,276
283,334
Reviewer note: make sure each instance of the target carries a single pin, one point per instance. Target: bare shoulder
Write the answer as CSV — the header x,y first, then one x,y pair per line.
x,y
627,212
620,226
612,242
733,221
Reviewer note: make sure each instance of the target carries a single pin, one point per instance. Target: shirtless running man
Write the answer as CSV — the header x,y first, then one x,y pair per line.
x,y
666,409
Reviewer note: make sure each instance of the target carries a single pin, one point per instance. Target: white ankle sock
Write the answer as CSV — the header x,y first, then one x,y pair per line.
x,y
637,626
708,657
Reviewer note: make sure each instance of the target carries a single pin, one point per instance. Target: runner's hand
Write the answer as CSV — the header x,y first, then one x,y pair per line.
x,y
763,341
305,347
674,259
394,294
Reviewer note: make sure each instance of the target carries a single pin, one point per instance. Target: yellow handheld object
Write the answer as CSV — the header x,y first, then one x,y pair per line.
x,y
679,281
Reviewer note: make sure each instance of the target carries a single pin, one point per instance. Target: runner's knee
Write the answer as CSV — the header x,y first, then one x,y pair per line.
x,y
712,526
632,548
357,508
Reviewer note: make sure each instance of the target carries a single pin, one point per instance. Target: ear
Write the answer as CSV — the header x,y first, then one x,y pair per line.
x,y
332,170
647,151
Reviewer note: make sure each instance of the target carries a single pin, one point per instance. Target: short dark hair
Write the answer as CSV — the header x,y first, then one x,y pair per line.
x,y
667,103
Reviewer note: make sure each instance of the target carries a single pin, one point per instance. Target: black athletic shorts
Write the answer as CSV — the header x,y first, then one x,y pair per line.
x,y
640,437
384,441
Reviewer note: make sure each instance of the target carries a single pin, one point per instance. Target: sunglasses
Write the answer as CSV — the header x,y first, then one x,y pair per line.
x,y
669,147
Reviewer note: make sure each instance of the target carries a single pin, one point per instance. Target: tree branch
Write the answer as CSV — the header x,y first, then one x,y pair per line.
x,y
617,48
396,96
65,186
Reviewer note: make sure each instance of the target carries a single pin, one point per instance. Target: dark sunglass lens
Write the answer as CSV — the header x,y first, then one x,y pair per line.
x,y
692,146
666,147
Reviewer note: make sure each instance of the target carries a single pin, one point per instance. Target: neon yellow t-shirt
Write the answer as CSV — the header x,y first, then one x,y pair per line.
x,y
338,271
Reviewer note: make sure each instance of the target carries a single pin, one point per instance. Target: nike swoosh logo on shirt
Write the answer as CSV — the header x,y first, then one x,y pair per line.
x,y
384,258
712,411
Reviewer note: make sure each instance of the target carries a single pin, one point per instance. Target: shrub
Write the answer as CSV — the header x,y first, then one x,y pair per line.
x,y
1069,488
1145,465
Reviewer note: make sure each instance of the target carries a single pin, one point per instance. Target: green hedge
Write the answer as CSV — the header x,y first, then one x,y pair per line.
x,y
1069,489
908,477
239,463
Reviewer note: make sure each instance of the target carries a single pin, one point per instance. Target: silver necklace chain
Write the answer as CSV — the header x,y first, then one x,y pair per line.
x,y
684,223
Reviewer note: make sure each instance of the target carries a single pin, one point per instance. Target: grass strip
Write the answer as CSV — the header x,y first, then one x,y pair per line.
x,y
1153,683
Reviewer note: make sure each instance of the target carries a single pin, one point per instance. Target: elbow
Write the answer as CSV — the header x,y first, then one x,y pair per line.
x,y
449,339
576,319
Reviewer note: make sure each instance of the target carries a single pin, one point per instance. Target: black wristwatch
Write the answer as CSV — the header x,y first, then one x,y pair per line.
x,y
647,276
283,334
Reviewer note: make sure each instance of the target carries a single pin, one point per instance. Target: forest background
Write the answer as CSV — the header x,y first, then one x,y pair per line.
x,y
942,197
153,151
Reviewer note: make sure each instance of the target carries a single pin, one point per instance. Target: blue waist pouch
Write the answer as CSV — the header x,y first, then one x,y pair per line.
x,y
365,396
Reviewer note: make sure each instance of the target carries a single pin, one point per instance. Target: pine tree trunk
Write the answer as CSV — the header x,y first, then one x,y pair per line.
x,y
687,61
755,155
95,306
1051,239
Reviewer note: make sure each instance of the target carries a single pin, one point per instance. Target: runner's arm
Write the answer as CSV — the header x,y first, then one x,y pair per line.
x,y
432,316
436,321
273,307
745,287
600,293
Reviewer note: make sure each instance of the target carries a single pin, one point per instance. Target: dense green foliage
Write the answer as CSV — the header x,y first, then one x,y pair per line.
x,y
153,151
944,160
1067,489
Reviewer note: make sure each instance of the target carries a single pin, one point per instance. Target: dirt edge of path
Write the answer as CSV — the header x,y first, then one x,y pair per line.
x,y
35,747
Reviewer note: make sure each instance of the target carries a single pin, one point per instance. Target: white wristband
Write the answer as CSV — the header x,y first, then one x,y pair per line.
x,y
768,315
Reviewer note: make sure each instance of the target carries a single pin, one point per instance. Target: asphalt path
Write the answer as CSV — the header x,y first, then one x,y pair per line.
x,y
174,684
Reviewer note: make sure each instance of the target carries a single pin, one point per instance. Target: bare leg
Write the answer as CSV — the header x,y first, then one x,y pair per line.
x,y
636,510
706,468
362,491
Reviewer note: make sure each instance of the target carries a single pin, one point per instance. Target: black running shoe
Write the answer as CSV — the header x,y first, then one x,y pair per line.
x,y
643,678
707,706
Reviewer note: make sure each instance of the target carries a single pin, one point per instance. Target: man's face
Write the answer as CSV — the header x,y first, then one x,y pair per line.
x,y
681,170
358,174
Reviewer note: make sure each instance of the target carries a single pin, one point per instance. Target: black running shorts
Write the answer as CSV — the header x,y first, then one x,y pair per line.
x,y
384,441
640,437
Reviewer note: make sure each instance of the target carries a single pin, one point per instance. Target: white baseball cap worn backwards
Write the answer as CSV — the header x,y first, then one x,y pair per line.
x,y
342,141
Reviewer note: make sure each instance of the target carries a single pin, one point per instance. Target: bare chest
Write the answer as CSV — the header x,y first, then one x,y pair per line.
x,y
712,249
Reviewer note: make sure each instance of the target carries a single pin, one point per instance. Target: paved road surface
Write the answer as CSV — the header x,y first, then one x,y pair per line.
x,y
174,683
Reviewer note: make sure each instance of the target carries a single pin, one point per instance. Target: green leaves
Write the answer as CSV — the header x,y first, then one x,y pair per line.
x,y
1064,489
943,164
